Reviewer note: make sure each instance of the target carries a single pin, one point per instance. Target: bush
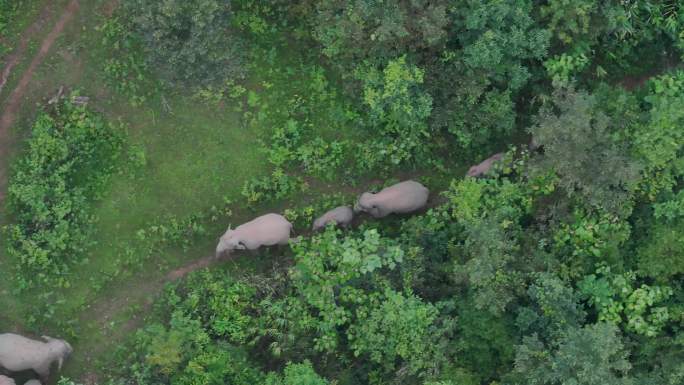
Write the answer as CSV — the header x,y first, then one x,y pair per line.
x,y
71,155
190,42
125,69
278,185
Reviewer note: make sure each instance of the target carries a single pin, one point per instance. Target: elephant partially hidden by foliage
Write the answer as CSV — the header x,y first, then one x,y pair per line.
x,y
484,167
18,353
341,216
266,230
401,198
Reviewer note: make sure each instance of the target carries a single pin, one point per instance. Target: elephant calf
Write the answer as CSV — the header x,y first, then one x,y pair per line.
x,y
485,166
4,380
266,230
401,198
18,353
341,216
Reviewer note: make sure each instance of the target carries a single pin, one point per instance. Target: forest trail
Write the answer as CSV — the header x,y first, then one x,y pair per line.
x,y
15,98
139,296
20,50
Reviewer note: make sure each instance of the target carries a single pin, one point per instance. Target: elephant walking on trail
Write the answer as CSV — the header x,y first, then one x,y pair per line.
x,y
401,198
341,216
484,167
18,353
266,230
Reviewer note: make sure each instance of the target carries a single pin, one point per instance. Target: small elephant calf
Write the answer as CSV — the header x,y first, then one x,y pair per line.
x,y
341,216
484,167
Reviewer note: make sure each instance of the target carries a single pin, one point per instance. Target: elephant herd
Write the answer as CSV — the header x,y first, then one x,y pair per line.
x,y
19,353
273,229
402,198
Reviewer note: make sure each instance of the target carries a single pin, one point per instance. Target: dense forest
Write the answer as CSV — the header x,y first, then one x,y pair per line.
x,y
559,261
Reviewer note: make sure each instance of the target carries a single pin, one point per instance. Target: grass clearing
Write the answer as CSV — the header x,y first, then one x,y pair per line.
x,y
196,155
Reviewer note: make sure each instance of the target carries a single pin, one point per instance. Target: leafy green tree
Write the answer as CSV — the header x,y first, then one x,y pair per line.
x,y
497,37
617,300
71,155
586,238
398,112
490,212
296,374
594,354
351,31
658,142
189,42
485,343
492,48
661,254
579,145
554,308
331,277
395,327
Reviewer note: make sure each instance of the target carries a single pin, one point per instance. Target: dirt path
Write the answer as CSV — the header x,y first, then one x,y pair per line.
x,y
15,98
20,50
102,314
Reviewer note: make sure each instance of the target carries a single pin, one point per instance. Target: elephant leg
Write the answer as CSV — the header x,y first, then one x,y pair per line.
x,y
44,373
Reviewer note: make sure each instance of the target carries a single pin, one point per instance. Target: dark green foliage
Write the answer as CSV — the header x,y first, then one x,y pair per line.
x,y
296,374
661,256
356,30
594,354
396,328
398,110
125,70
579,145
189,42
485,343
278,185
7,12
554,308
70,157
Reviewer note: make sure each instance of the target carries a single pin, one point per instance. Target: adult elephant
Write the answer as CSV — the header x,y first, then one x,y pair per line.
x,y
18,353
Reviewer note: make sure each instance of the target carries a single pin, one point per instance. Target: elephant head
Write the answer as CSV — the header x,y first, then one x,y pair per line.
x,y
366,203
229,242
60,350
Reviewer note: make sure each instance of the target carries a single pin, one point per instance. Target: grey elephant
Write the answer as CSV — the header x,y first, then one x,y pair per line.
x,y
4,380
266,230
33,382
341,216
18,353
401,198
485,165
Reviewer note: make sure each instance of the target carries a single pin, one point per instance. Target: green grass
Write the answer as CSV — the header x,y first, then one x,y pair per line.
x,y
196,155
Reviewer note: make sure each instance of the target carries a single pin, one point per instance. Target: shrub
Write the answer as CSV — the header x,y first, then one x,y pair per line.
x,y
276,186
125,69
70,157
190,42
